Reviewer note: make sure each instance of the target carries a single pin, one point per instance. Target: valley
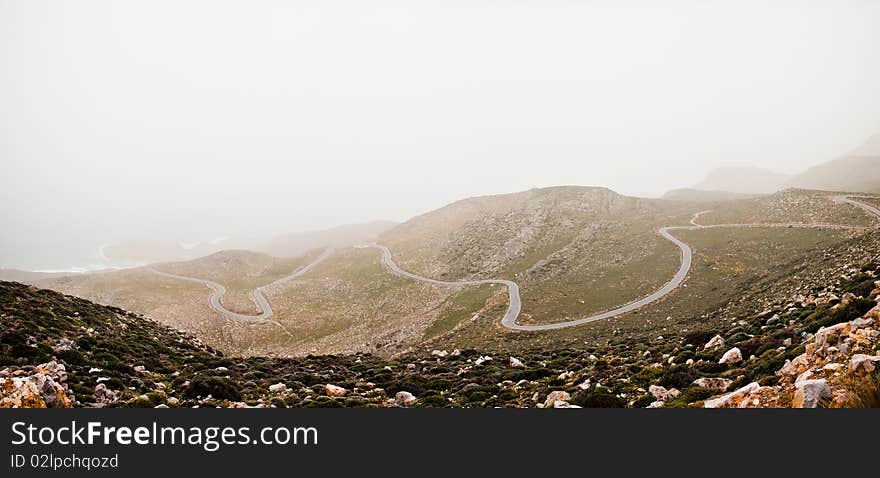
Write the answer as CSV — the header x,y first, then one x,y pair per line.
x,y
578,283
576,256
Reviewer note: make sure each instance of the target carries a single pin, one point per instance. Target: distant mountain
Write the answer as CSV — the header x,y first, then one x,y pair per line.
x,y
699,195
295,245
858,171
744,180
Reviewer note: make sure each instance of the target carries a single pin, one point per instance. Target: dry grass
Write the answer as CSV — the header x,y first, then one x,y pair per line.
x,y
862,393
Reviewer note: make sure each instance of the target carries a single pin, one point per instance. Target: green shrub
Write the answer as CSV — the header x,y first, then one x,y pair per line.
x,y
411,383
598,398
218,387
691,395
678,376
698,337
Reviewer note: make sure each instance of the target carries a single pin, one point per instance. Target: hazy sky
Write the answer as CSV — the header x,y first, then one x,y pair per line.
x,y
188,120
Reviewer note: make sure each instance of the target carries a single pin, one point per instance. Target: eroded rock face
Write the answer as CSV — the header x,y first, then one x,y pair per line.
x,y
811,393
20,392
41,388
835,358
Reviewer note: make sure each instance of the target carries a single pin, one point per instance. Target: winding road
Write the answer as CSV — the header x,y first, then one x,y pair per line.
x,y
515,302
514,305
867,207
256,295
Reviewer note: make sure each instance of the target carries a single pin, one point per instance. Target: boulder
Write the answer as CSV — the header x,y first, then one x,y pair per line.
x,y
811,393
731,356
334,391
717,341
794,367
53,393
54,370
733,398
660,393
803,377
516,363
404,398
862,363
278,388
827,337
563,404
552,397
105,395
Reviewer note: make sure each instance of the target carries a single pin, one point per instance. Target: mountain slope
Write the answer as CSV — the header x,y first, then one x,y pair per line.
x,y
572,250
857,171
850,174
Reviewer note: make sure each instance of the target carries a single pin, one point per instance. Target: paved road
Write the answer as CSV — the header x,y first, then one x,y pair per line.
x,y
867,207
515,302
256,295
514,305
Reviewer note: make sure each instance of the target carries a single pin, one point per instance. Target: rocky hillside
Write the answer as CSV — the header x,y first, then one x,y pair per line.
x,y
798,206
819,349
572,250
850,173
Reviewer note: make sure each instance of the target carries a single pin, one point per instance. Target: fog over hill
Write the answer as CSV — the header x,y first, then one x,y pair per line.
x,y
112,132
292,245
743,180
857,171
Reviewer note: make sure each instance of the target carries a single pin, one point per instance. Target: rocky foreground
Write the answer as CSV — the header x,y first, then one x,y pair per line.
x,y
816,350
